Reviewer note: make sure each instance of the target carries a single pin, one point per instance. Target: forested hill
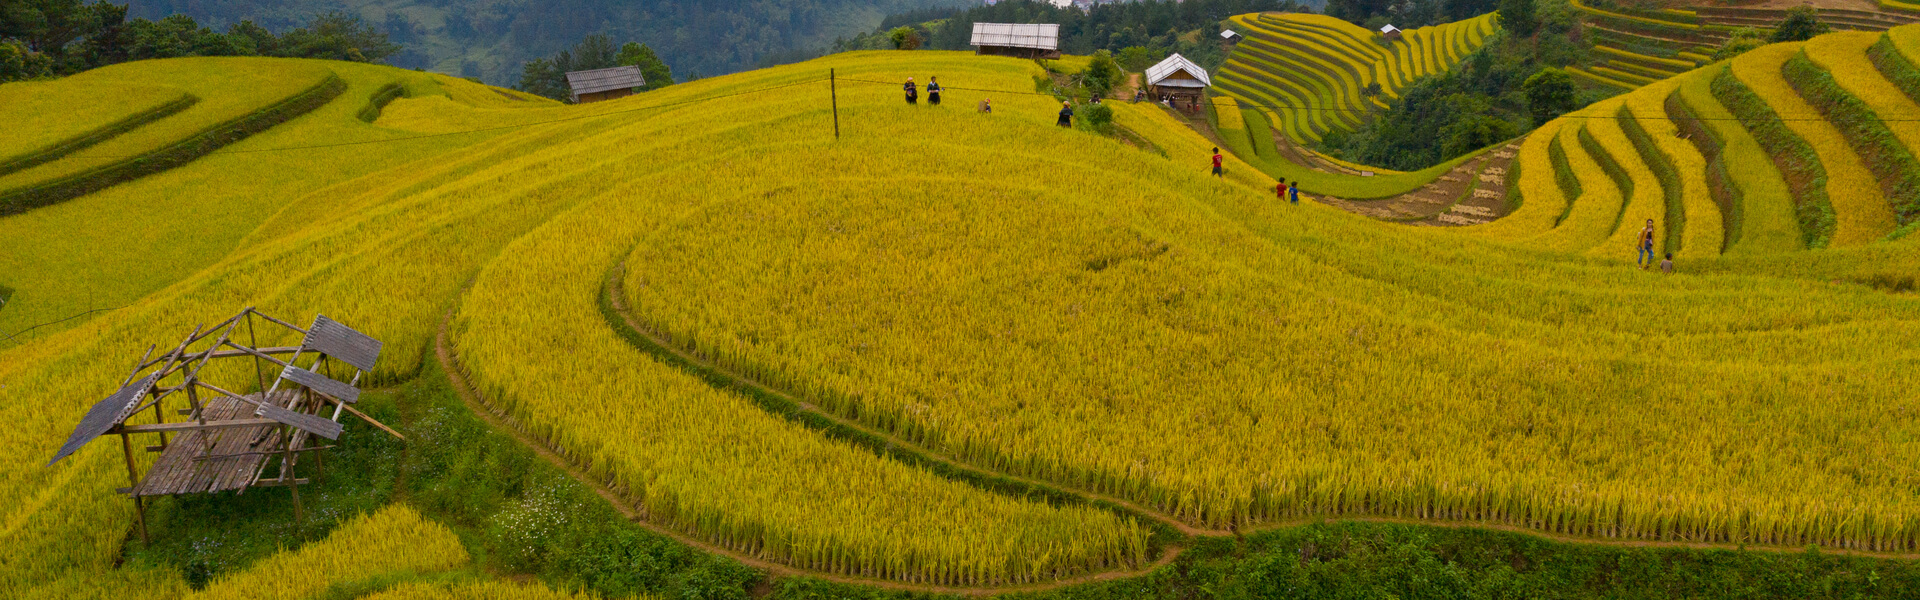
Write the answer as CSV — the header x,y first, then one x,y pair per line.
x,y
490,39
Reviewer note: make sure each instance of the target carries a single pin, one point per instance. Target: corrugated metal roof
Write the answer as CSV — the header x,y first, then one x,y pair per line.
x,y
1174,64
1228,34
600,80
1045,36
1388,29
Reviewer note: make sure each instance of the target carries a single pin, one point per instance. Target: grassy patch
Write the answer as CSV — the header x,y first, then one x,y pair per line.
x,y
1563,176
1662,167
1614,171
1891,162
1795,158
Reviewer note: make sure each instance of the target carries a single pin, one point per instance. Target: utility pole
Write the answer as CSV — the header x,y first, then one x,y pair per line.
x,y
833,85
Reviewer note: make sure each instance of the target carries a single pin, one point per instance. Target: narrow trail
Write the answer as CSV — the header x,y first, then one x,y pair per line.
x,y
450,362
1473,193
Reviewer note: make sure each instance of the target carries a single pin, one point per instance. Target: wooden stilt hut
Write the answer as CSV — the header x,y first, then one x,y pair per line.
x,y
1178,79
224,440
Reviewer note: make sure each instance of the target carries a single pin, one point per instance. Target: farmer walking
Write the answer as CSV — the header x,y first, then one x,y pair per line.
x,y
1216,161
913,95
933,91
1645,259
1066,114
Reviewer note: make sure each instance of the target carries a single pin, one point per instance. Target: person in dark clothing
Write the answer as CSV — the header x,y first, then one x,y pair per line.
x,y
933,91
913,94
1066,114
1293,192
1216,162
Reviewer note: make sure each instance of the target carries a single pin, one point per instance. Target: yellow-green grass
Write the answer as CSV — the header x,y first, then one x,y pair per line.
x,y
1622,75
1598,79
1703,233
395,540
225,90
1841,55
1676,66
1313,95
1322,89
1248,90
1861,211
1332,49
107,249
1764,221
480,590
1230,361
1647,200
48,118
1356,43
1304,58
1591,217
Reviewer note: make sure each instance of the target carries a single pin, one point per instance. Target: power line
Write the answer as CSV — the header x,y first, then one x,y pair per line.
x,y
1262,104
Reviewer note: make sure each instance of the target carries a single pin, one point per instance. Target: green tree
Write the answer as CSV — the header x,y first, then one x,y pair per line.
x,y
1102,74
18,63
1802,24
652,69
1519,18
904,38
1742,40
337,36
1473,133
1550,93
1137,58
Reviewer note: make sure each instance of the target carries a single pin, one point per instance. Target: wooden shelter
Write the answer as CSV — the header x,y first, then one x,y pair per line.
x,y
604,84
224,439
1178,78
1390,33
1041,40
1230,36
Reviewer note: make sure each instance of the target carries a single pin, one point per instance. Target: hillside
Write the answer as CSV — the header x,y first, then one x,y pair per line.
x,y
953,351
490,39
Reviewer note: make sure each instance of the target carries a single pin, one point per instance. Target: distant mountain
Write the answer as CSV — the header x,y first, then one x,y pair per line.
x,y
489,39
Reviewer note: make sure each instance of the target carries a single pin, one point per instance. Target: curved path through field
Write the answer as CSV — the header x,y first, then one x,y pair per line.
x,y
1473,193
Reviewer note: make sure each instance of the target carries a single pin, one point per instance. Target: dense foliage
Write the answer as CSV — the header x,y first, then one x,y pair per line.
x,y
548,76
43,38
492,39
1479,102
1146,31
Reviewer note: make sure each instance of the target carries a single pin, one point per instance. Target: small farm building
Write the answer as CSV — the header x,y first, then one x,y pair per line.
x,y
1040,40
1390,33
1230,36
1177,77
604,84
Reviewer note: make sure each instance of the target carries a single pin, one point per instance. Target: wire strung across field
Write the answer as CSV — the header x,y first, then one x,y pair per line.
x,y
869,81
1240,102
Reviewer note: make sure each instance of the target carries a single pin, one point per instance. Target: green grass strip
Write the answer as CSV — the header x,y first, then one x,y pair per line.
x,y
208,140
1898,172
104,133
1793,155
1260,134
1562,175
1614,171
379,100
1664,170
783,405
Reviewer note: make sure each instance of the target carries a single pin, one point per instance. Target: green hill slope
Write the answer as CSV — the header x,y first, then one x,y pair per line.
x,y
1136,354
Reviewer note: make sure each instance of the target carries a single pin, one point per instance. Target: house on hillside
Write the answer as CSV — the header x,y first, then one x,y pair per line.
x,y
604,84
1177,77
1230,36
1040,40
1390,33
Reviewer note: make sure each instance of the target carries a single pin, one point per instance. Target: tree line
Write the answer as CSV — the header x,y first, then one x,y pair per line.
x,y
50,38
548,76
1135,32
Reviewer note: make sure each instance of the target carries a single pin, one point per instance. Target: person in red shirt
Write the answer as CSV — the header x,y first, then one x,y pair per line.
x,y
1216,162
1280,189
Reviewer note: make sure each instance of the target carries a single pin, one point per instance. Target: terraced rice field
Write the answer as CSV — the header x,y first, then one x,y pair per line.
x,y
1639,46
1011,354
1306,73
1804,144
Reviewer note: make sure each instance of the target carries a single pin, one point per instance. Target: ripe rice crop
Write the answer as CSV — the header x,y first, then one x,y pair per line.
x,y
51,117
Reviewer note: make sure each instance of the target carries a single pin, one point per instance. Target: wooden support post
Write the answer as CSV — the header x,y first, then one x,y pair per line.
x,y
133,483
833,84
253,341
286,474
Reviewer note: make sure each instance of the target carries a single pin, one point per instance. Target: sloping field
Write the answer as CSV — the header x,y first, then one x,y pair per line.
x,y
1800,145
1308,73
56,118
1129,350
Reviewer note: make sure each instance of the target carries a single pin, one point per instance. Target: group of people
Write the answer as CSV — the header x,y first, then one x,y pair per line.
x,y
1645,247
933,91
1289,192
